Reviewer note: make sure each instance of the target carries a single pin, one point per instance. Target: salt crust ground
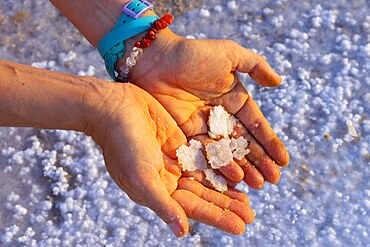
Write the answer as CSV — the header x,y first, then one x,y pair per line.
x,y
55,190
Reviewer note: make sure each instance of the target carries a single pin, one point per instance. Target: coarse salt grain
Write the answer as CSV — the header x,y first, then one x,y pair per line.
x,y
191,158
239,147
204,13
232,5
351,129
219,153
217,181
220,123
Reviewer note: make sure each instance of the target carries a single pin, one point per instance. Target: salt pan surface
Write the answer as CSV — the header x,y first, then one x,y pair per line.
x,y
322,49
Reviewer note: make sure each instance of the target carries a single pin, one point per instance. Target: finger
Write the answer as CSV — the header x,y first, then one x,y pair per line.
x,y
197,176
258,157
170,174
233,172
171,165
169,210
255,65
252,176
239,208
252,118
201,178
168,133
237,195
208,213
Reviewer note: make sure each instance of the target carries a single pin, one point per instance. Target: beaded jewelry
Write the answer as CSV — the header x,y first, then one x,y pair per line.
x,y
111,47
124,70
145,42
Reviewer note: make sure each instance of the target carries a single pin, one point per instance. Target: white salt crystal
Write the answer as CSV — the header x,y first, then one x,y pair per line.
x,y
239,147
351,129
51,63
232,5
204,13
268,11
9,233
8,169
12,197
19,211
191,158
46,205
90,71
219,153
67,57
18,157
40,65
10,150
220,123
190,36
217,181
27,235
218,8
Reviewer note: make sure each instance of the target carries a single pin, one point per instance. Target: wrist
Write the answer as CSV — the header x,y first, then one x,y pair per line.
x,y
105,105
164,42
95,102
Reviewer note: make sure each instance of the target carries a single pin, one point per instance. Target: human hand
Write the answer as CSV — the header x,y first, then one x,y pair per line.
x,y
188,77
139,140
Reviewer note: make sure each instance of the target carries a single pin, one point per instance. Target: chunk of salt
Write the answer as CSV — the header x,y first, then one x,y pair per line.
x,y
220,123
191,158
219,153
239,147
217,181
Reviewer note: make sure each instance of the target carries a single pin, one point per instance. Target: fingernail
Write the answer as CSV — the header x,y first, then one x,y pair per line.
x,y
176,229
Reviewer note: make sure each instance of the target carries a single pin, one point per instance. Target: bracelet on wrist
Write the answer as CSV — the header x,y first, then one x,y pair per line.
x,y
139,46
111,47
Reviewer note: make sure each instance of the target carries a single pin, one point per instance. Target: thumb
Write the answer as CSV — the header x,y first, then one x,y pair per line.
x,y
256,66
168,209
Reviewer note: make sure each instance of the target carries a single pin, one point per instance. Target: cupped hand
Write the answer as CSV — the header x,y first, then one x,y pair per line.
x,y
139,140
188,77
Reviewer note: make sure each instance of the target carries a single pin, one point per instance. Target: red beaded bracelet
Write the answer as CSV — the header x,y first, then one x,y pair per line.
x,y
157,25
137,50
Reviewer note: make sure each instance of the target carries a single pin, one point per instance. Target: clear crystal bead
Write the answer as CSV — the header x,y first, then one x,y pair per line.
x,y
134,54
130,61
124,69
138,50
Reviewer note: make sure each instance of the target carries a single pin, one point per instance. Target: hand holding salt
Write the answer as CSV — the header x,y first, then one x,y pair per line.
x,y
220,151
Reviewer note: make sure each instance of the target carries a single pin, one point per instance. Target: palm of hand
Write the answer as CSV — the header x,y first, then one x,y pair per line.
x,y
144,138
195,75
139,140
188,82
